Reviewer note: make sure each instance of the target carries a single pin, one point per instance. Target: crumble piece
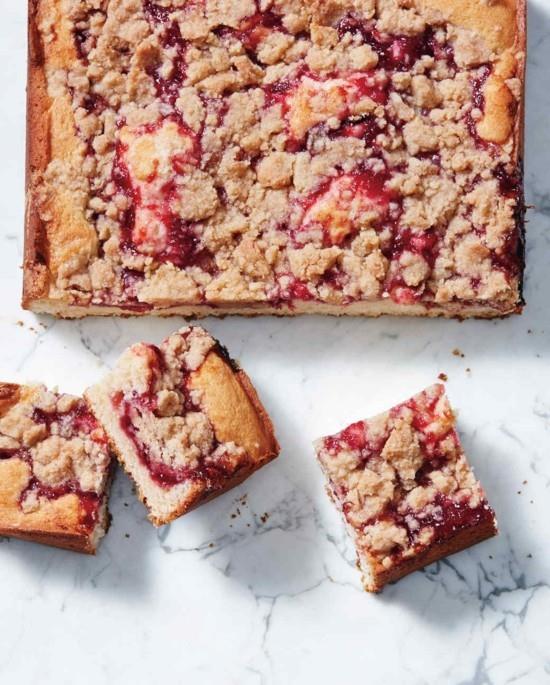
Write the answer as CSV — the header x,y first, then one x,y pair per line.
x,y
405,489
184,421
54,469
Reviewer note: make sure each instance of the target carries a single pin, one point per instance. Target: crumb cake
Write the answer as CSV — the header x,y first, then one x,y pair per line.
x,y
275,156
55,469
405,489
184,421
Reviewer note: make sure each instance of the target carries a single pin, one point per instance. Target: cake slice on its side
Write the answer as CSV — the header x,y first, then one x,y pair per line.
x,y
184,421
405,489
54,469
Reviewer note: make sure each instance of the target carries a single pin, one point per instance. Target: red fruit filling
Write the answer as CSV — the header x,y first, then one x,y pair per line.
x,y
90,502
397,53
181,240
336,196
79,419
300,291
425,245
156,13
362,127
131,407
452,516
478,102
354,436
253,30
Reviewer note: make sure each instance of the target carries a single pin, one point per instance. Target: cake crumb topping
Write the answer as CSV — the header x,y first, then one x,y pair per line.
x,y
244,152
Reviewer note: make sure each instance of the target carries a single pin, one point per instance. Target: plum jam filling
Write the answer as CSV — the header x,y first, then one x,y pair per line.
x,y
156,13
299,290
424,245
77,420
478,103
364,127
166,476
329,206
179,243
450,516
276,92
83,38
347,90
19,452
132,407
168,87
445,517
396,52
123,184
354,437
90,502
253,30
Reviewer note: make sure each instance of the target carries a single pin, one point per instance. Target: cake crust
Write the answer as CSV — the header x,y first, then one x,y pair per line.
x,y
405,489
54,469
66,275
200,428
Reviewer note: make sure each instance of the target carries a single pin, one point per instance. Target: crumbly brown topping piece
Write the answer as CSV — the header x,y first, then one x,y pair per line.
x,y
62,446
402,481
279,150
162,414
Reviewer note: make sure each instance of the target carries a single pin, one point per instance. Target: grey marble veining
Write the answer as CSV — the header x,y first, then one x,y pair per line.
x,y
259,587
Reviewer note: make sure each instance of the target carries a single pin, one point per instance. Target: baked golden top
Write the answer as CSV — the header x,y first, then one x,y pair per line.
x,y
225,151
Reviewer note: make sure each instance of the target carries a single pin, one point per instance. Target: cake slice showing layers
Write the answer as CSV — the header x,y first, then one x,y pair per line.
x,y
184,421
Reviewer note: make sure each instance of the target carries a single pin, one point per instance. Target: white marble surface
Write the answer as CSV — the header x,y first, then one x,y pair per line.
x,y
251,600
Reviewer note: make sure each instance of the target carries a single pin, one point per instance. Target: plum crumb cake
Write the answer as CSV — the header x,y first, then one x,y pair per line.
x,y
184,421
54,469
405,489
284,156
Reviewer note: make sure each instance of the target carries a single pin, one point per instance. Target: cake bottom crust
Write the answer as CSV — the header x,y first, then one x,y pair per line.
x,y
85,543
364,308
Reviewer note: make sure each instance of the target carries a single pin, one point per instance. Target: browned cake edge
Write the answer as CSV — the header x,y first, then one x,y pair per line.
x,y
38,154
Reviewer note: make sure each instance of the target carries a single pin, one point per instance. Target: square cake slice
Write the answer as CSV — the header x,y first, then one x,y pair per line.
x,y
55,469
184,421
405,489
283,156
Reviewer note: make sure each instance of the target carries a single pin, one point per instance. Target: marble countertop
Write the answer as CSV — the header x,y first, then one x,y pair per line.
x,y
259,587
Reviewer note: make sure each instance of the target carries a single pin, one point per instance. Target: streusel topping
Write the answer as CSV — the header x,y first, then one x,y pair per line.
x,y
63,446
402,480
280,150
162,414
